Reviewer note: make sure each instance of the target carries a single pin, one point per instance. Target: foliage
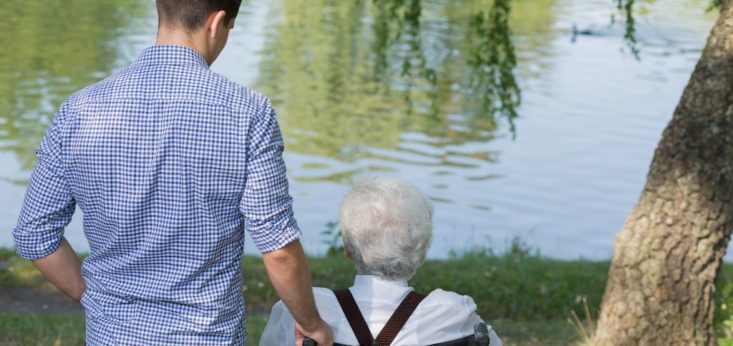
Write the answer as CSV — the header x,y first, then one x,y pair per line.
x,y
493,60
369,72
41,329
334,239
627,8
407,15
585,327
518,247
514,286
61,330
518,287
716,3
70,329
724,307
16,272
524,296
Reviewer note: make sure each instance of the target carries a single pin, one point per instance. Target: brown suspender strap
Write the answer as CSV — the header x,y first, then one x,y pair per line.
x,y
355,318
399,318
390,330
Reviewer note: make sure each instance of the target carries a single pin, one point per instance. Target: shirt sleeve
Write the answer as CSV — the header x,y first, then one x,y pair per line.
x,y
469,307
266,202
443,316
494,338
49,205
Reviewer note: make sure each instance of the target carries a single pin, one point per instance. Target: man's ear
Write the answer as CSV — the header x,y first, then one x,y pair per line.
x,y
215,23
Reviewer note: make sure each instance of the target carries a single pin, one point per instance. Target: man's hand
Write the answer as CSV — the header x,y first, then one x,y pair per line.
x,y
321,334
63,269
289,274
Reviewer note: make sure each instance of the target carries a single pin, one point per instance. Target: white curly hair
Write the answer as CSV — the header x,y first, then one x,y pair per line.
x,y
387,227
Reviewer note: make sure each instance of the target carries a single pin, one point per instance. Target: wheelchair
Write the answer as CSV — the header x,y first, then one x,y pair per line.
x,y
480,337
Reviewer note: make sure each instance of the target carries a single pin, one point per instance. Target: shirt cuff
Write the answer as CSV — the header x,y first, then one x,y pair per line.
x,y
269,237
35,246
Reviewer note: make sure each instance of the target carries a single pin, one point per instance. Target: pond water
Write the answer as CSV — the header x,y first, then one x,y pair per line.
x,y
420,90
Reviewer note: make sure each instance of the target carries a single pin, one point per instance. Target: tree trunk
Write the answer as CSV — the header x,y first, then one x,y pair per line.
x,y
662,278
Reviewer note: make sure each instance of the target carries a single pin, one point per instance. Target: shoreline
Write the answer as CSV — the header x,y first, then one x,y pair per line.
x,y
526,297
545,287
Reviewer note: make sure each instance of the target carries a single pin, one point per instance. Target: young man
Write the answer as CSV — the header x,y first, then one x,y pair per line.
x,y
168,161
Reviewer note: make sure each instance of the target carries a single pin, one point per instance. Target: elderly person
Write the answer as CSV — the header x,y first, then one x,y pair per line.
x,y
387,228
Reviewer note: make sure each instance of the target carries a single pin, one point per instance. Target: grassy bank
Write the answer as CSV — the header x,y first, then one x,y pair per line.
x,y
528,299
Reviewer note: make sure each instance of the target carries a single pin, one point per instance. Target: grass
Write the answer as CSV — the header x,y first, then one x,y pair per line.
x,y
68,329
41,329
17,272
514,287
533,333
528,299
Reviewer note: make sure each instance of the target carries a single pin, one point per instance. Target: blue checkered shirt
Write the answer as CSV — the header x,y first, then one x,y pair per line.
x,y
169,163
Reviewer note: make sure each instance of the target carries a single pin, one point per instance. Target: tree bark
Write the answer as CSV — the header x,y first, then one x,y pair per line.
x,y
666,259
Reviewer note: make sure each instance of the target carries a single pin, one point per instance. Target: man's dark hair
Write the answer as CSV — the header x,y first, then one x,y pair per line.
x,y
192,14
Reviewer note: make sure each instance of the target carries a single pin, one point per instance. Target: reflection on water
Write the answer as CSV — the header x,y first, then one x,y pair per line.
x,y
353,79
626,7
46,56
425,90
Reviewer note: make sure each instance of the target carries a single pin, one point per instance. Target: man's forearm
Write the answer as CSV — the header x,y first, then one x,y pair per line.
x,y
288,271
63,269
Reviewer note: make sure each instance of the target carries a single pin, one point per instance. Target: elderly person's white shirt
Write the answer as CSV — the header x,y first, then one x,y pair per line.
x,y
441,316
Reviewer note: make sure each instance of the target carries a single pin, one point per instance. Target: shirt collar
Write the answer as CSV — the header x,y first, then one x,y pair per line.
x,y
172,55
375,288
363,281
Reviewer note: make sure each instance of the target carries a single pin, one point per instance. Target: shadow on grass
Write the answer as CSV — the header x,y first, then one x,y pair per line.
x,y
23,290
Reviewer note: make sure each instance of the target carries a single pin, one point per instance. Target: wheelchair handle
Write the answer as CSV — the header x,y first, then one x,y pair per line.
x,y
481,333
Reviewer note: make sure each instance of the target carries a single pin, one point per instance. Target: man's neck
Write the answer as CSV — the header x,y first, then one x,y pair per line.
x,y
180,38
